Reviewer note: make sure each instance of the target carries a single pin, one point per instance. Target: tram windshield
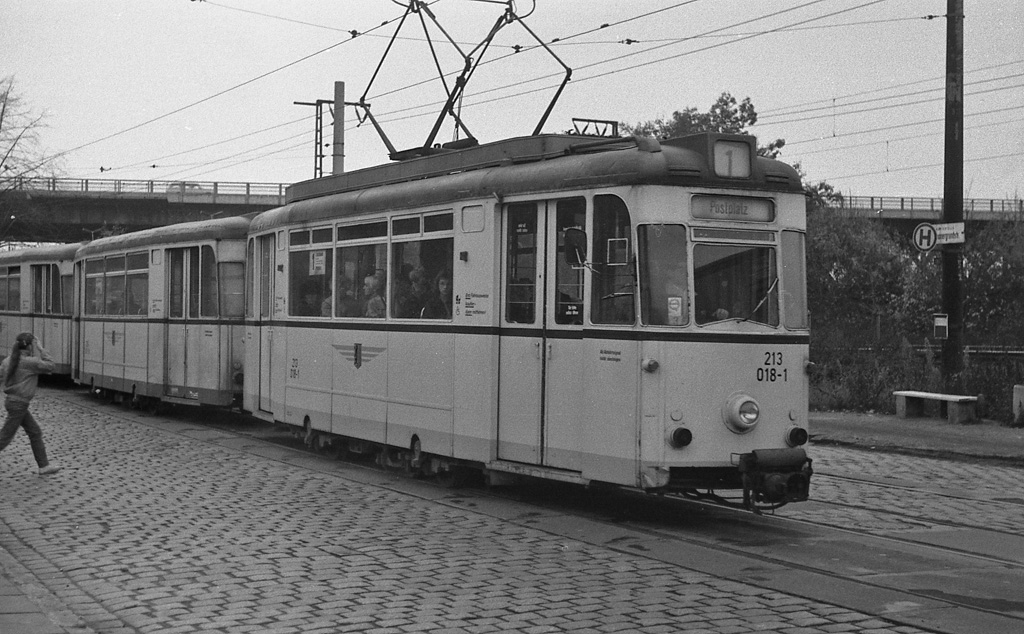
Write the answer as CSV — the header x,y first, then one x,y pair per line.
x,y
730,281
735,282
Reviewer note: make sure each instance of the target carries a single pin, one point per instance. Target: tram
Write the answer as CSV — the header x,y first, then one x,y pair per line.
x,y
625,311
160,313
36,295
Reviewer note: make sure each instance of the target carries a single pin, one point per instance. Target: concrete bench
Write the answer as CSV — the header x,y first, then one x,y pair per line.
x,y
956,409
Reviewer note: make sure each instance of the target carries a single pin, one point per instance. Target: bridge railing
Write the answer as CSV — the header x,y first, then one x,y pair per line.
x,y
911,204
174,191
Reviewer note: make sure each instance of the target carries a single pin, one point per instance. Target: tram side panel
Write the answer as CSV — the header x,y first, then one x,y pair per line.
x,y
309,378
476,310
610,432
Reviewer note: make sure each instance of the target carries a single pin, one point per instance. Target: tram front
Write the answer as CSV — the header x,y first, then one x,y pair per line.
x,y
723,389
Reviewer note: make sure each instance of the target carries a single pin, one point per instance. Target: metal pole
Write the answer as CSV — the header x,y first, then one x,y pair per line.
x,y
953,197
338,153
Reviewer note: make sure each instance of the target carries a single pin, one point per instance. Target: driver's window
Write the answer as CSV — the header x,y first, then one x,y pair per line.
x,y
613,269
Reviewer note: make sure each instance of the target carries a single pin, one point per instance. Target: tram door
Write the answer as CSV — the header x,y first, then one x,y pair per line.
x,y
540,378
192,347
265,279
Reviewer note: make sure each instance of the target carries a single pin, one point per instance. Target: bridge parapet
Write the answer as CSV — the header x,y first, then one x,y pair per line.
x,y
925,209
191,192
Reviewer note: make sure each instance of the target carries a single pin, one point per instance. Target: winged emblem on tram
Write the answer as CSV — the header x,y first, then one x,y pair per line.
x,y
357,353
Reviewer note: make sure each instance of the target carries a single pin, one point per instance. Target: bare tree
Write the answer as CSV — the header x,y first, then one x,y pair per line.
x,y
20,155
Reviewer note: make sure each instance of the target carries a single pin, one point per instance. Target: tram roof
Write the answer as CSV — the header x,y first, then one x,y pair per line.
x,y
524,165
233,227
44,253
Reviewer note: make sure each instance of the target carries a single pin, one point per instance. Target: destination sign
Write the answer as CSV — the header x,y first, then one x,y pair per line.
x,y
732,208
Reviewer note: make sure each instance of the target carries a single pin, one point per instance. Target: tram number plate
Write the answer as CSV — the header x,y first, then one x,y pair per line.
x,y
771,371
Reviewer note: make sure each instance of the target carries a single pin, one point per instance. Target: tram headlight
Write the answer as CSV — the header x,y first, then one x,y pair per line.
x,y
741,413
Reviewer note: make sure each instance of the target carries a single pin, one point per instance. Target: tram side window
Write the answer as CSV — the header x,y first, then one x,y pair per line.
x,y
3,288
794,279
664,292
41,300
266,274
361,280
209,284
613,281
67,292
184,284
114,273
138,283
421,279
309,282
232,287
56,306
521,264
94,287
14,288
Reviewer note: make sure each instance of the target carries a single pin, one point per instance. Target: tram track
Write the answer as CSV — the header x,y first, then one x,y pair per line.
x,y
791,554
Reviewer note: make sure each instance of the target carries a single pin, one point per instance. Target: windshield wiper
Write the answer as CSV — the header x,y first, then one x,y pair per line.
x,y
767,294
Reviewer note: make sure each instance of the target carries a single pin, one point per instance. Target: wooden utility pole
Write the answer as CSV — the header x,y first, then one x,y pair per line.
x,y
953,198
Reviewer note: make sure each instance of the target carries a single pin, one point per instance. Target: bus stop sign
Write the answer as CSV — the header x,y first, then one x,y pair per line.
x,y
925,237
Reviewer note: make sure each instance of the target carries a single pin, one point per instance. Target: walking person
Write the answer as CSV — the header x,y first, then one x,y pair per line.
x,y
19,375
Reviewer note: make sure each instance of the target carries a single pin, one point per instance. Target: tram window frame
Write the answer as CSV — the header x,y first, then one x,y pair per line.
x,y
419,261
209,283
250,276
67,293
232,277
521,262
42,300
794,280
14,288
266,261
664,282
570,213
137,283
94,284
361,253
723,292
613,279
310,272
114,284
3,288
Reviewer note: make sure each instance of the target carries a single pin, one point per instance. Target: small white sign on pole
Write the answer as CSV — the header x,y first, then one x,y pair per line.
x,y
949,233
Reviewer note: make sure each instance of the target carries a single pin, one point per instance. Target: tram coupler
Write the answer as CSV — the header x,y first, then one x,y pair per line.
x,y
775,477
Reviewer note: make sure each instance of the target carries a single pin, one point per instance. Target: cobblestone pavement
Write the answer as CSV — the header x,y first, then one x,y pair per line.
x,y
150,528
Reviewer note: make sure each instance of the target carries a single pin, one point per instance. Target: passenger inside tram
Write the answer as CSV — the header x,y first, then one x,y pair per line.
x,y
439,305
372,290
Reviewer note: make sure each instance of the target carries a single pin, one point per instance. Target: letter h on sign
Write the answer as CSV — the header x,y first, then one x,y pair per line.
x,y
925,236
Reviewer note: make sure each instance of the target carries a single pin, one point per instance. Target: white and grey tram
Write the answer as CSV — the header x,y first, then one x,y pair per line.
x,y
160,314
36,295
623,311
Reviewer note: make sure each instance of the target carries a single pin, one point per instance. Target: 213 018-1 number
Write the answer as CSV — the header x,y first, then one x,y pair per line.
x,y
770,371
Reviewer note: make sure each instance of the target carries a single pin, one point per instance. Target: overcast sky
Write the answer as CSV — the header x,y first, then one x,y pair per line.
x,y
204,91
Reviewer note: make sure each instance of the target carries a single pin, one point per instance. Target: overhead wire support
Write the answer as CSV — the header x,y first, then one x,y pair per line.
x,y
454,93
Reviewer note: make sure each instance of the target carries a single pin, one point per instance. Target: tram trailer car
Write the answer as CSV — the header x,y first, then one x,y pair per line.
x,y
161,313
36,295
621,311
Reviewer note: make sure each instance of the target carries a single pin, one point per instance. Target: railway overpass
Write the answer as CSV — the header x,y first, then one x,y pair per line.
x,y
71,209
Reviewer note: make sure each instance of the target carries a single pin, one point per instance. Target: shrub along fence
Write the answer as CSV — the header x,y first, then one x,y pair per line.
x,y
864,378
